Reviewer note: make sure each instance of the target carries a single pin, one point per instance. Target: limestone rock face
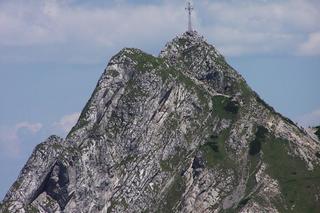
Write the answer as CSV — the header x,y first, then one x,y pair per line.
x,y
36,176
181,132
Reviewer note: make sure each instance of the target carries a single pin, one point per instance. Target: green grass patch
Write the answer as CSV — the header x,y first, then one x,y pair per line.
x,y
299,186
133,90
224,107
82,119
254,159
183,41
220,61
57,146
4,208
17,184
243,202
146,62
113,73
246,91
173,195
32,209
214,151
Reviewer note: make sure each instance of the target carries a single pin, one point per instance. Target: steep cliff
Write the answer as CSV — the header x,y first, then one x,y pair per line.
x,y
181,132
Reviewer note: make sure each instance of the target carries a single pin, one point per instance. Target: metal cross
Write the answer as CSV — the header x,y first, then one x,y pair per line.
x,y
189,8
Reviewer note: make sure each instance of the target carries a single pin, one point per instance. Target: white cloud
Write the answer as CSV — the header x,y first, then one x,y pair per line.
x,y
65,124
10,142
88,31
11,137
312,45
250,26
56,22
32,127
61,31
310,119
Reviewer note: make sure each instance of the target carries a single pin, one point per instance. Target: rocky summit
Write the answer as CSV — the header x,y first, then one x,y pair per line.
x,y
181,132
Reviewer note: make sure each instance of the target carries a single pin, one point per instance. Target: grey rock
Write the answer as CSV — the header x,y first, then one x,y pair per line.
x,y
166,134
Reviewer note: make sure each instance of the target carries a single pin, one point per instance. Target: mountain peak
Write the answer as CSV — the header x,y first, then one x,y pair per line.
x,y
192,36
184,42
181,132
195,57
189,47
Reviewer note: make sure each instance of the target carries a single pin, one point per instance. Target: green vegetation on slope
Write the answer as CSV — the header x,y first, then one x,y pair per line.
x,y
254,158
224,107
146,62
82,119
4,208
221,61
32,209
113,73
134,91
318,131
173,195
214,151
300,188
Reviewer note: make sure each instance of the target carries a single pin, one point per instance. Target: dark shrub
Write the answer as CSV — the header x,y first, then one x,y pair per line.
x,y
232,106
213,143
255,145
243,202
318,132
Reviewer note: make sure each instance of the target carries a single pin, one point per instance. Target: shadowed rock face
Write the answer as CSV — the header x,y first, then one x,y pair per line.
x,y
173,133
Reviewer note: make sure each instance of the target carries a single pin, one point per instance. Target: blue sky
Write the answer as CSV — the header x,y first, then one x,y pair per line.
x,y
53,52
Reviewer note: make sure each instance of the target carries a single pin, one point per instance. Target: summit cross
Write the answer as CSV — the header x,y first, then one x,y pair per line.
x,y
189,8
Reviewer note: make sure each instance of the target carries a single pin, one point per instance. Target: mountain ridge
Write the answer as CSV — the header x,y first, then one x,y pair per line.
x,y
182,132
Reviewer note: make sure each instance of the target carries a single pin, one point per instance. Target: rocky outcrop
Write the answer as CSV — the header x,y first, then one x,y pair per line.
x,y
39,176
181,132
